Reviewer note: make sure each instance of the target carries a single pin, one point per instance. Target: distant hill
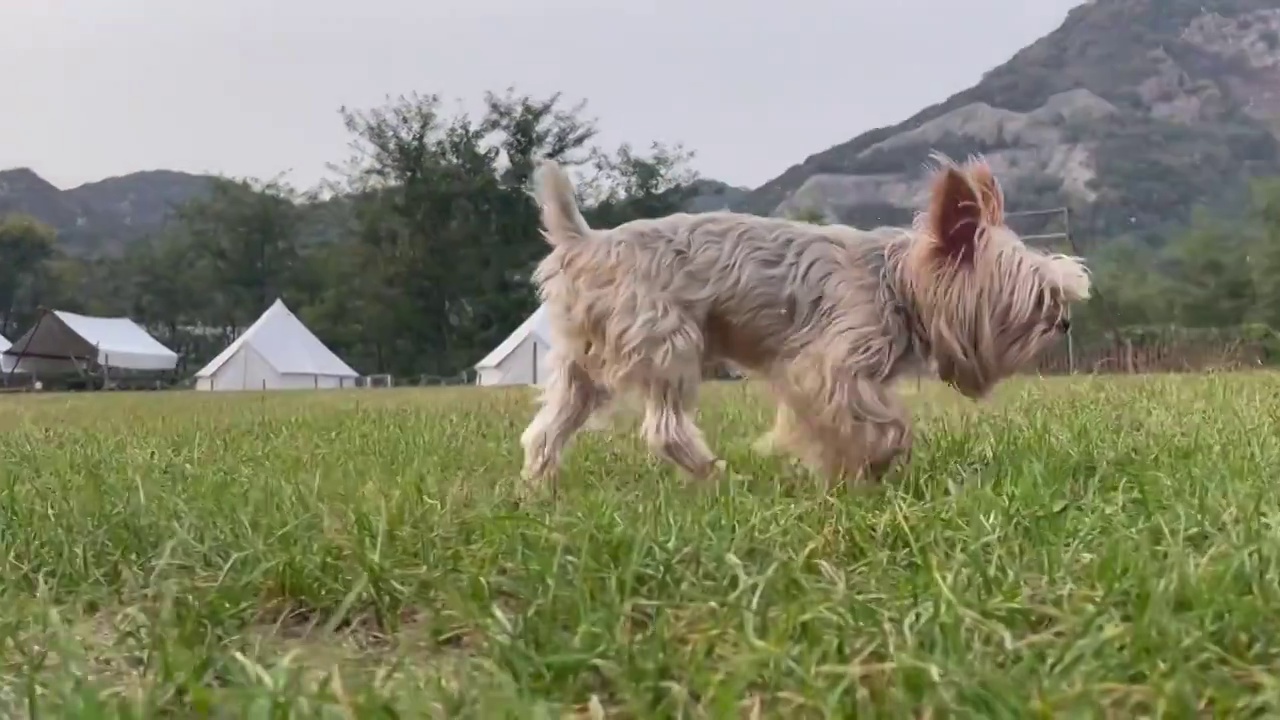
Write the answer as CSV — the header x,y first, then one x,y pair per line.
x,y
100,217
1132,111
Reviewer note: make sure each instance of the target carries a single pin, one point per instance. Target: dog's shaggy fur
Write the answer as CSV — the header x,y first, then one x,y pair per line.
x,y
827,316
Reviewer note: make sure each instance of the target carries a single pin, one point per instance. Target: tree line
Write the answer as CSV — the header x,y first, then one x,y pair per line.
x,y
416,260
1222,271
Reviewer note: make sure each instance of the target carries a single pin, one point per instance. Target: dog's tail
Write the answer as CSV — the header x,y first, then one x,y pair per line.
x,y
562,222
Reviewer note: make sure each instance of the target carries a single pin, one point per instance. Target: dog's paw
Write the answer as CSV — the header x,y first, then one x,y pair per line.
x,y
722,471
528,475
533,488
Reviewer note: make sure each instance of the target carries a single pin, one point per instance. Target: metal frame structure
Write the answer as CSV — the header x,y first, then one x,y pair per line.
x,y
1065,234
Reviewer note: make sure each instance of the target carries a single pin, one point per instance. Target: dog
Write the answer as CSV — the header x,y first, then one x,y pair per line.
x,y
827,316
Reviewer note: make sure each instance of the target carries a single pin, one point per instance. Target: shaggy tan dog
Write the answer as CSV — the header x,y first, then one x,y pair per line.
x,y
827,316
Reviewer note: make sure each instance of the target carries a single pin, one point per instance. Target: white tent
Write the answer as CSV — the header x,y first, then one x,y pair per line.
x,y
276,352
521,359
6,361
64,341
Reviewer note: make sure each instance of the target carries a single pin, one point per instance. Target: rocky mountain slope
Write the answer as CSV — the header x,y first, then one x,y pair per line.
x,y
1132,112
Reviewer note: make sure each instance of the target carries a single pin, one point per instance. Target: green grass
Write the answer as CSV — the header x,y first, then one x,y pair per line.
x,y
1072,548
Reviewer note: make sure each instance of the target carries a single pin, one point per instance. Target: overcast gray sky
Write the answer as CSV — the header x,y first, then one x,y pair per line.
x,y
95,88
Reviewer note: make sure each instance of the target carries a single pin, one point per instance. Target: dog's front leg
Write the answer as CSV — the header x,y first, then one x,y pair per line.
x,y
775,440
668,426
884,443
568,401
855,428
885,432
788,437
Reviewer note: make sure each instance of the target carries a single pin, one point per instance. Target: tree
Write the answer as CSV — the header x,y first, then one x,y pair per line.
x,y
1124,297
529,129
1264,255
1211,267
166,292
25,245
447,229
524,130
809,214
629,185
245,237
423,186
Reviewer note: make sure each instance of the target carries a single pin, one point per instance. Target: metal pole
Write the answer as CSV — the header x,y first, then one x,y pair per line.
x,y
22,353
1071,346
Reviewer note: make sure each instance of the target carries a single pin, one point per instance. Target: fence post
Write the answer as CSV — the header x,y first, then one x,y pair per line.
x,y
1071,347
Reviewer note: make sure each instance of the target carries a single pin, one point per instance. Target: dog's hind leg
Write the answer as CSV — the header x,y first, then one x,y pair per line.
x,y
669,428
570,397
665,370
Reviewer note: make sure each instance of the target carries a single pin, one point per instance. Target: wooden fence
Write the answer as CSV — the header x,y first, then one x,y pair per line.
x,y
1157,356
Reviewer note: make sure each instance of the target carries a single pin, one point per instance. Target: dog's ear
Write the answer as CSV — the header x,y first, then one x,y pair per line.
x,y
991,195
955,212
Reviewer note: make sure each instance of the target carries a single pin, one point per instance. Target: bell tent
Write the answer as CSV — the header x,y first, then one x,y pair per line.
x,y
521,359
276,352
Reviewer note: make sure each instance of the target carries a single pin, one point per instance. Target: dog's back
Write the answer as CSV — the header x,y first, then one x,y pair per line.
x,y
753,286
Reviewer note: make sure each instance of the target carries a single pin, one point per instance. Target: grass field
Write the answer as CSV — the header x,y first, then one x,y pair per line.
x,y
1072,548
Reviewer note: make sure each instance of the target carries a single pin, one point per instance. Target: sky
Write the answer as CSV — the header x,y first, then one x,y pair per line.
x,y
94,89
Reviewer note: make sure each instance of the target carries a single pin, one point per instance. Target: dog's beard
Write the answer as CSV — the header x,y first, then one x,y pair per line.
x,y
986,322
974,375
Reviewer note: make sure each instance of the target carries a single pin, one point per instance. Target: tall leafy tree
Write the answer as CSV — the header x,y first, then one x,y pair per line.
x,y
246,236
1211,267
26,245
422,183
629,185
1264,257
166,292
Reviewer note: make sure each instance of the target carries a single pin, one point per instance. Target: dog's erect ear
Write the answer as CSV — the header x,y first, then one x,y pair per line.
x,y
991,194
955,212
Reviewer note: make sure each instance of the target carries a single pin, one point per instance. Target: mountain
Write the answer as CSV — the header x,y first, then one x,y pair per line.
x,y
141,199
104,216
101,218
1132,112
